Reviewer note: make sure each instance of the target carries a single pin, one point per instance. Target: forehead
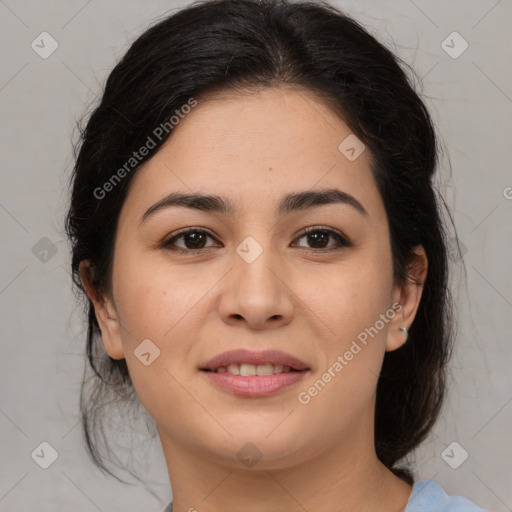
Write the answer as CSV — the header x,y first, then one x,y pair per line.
x,y
254,147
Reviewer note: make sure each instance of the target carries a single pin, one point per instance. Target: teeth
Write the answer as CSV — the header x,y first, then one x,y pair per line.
x,y
234,369
247,370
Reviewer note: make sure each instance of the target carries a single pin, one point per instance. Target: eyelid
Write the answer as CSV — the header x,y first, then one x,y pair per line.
x,y
346,241
343,240
176,234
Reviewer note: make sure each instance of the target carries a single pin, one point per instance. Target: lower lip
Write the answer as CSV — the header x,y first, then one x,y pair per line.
x,y
257,385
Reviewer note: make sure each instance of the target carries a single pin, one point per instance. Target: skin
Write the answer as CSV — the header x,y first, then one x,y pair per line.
x,y
254,147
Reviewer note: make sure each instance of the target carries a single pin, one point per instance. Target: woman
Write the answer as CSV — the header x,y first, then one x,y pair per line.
x,y
254,224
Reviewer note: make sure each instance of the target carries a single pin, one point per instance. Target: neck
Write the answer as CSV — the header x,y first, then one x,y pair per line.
x,y
344,477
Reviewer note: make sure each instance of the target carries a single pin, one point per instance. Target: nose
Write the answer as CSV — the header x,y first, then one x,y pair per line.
x,y
257,291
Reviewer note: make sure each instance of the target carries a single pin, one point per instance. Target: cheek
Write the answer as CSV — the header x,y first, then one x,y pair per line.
x,y
346,381
347,298
154,304
167,306
152,296
353,304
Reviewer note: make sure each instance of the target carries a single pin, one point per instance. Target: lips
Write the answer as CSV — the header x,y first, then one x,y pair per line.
x,y
275,357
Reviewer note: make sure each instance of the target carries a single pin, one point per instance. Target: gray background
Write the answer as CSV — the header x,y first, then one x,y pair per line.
x,y
470,98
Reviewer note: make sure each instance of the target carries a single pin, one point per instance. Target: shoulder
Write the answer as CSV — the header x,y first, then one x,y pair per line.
x,y
427,494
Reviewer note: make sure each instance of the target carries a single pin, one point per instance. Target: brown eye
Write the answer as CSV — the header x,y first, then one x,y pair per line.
x,y
319,239
194,241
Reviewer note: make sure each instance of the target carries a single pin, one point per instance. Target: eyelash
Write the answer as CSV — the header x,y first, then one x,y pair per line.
x,y
343,242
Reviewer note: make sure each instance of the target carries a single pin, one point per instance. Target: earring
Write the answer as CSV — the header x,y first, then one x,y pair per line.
x,y
404,329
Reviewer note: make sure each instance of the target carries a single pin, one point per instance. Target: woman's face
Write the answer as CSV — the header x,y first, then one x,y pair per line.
x,y
257,281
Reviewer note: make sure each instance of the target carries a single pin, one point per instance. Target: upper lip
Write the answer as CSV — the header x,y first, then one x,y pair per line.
x,y
247,356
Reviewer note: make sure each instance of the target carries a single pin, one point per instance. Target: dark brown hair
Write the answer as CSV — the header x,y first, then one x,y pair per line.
x,y
230,44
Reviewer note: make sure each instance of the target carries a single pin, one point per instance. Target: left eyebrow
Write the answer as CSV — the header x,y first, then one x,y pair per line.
x,y
289,203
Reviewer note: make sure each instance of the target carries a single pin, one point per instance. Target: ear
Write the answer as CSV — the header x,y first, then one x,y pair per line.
x,y
105,312
408,298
